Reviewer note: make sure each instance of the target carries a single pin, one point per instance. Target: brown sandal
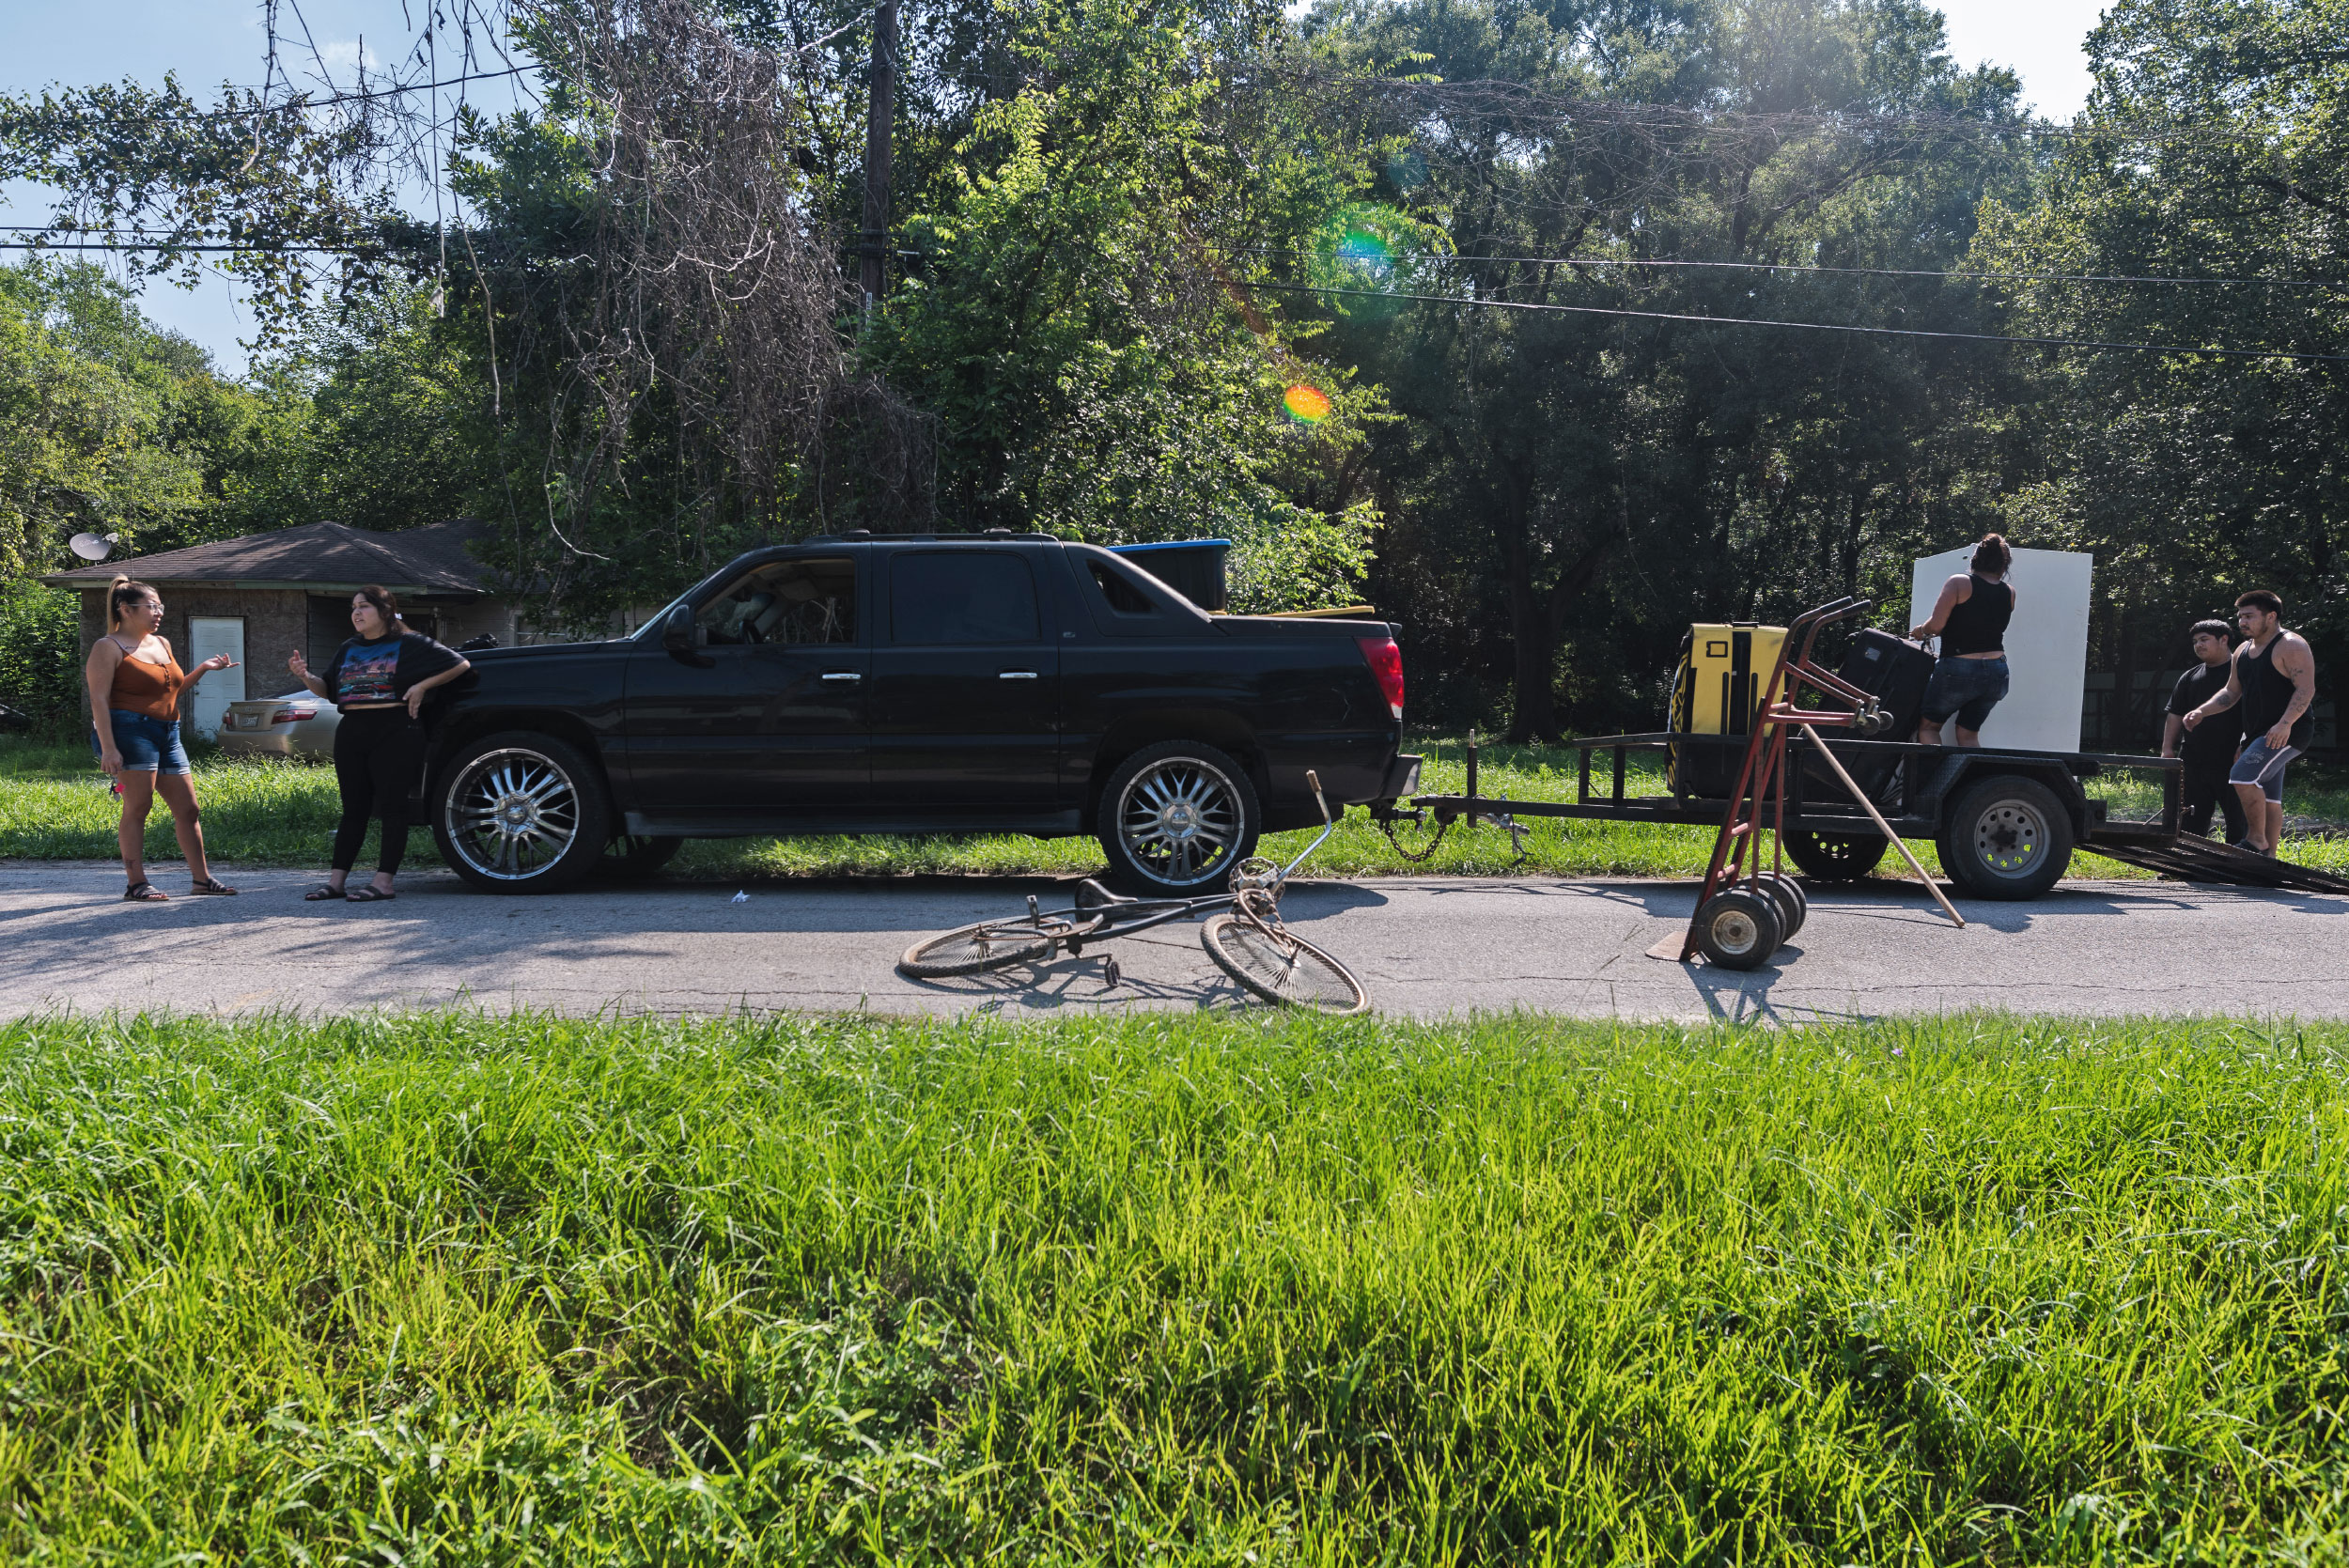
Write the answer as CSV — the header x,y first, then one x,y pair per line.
x,y
212,886
145,893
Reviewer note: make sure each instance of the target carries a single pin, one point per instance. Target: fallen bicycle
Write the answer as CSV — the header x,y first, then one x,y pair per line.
x,y
1244,935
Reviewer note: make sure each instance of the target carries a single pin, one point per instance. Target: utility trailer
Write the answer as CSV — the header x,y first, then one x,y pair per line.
x,y
2005,823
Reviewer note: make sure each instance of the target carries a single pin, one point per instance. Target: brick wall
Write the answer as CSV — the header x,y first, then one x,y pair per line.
x,y
450,621
277,622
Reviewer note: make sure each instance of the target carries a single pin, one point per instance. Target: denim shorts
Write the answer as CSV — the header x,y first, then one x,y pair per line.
x,y
2264,765
1969,688
147,745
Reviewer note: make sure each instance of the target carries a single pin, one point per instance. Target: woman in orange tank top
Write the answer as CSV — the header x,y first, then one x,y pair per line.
x,y
135,685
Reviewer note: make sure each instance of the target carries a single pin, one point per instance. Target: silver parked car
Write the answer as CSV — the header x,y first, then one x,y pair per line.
x,y
298,724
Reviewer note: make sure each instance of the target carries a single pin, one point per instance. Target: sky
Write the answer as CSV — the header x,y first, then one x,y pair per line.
x,y
210,41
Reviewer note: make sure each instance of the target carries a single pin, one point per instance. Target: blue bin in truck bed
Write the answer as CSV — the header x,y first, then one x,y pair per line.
x,y
1193,568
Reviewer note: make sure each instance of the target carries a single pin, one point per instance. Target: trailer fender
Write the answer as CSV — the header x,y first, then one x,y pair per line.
x,y
1956,773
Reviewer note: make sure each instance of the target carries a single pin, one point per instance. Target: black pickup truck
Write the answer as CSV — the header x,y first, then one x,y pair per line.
x,y
913,684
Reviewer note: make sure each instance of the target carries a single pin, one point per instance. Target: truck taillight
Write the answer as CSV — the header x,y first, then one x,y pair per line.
x,y
1386,663
293,715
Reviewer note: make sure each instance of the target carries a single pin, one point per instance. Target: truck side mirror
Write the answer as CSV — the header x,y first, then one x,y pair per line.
x,y
676,635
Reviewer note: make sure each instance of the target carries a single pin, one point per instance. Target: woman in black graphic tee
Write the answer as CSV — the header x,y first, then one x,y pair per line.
x,y
378,679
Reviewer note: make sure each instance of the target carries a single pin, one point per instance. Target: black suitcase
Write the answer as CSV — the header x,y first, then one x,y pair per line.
x,y
1894,672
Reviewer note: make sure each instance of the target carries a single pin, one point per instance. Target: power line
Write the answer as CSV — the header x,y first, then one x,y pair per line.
x,y
1810,326
1879,272
231,250
1597,261
294,105
1517,101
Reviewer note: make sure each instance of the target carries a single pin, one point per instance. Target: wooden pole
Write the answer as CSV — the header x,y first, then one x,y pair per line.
x,y
880,113
1877,817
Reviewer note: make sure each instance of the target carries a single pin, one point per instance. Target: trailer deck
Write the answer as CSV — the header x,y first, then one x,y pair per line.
x,y
2130,816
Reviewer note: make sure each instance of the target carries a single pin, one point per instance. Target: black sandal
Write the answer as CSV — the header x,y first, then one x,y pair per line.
x,y
368,894
321,894
212,887
145,893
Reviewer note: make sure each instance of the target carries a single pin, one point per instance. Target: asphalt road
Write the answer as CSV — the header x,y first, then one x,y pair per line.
x,y
1423,946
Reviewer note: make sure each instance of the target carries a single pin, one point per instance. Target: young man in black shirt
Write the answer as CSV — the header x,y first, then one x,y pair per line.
x,y
2208,749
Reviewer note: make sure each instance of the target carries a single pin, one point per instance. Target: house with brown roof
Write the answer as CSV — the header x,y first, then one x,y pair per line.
x,y
261,596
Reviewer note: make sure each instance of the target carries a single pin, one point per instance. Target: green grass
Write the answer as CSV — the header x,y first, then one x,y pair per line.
x,y
441,1289
54,805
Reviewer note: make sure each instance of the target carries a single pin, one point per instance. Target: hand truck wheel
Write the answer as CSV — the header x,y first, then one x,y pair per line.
x,y
1737,928
1794,904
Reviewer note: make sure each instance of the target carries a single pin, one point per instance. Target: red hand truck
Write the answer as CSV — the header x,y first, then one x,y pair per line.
x,y
1745,912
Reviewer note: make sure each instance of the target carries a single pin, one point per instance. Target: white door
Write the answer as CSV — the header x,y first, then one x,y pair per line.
x,y
208,635
2046,643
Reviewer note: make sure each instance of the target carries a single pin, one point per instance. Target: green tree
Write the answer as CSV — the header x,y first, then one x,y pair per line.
x,y
2215,147
100,416
382,419
1570,490
1080,328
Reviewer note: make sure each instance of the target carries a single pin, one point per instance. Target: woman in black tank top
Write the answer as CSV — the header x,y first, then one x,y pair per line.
x,y
1977,624
1971,618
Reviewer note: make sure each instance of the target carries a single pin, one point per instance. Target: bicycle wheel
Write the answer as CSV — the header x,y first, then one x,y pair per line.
x,y
988,944
1283,969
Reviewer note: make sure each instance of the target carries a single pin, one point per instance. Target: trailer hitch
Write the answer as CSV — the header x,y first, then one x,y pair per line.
x,y
1465,808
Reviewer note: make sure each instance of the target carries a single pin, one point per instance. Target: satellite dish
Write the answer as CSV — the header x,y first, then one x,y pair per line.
x,y
93,547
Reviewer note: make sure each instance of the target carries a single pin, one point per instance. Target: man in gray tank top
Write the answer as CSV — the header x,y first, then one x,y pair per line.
x,y
2274,677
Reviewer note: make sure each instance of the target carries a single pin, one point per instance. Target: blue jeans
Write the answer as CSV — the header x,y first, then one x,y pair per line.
x,y
145,745
1969,688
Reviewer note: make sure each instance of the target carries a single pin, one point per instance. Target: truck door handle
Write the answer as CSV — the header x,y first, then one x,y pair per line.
x,y
842,674
1016,675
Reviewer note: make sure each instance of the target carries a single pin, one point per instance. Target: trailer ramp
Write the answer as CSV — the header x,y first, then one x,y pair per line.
x,y
2190,859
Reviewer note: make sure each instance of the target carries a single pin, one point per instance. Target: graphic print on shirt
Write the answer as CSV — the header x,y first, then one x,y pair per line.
x,y
366,673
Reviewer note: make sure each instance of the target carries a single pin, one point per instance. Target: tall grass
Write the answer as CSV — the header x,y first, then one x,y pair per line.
x,y
446,1289
54,805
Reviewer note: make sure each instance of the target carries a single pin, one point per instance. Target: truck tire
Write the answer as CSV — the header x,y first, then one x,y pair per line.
x,y
1175,817
520,812
2006,837
1836,857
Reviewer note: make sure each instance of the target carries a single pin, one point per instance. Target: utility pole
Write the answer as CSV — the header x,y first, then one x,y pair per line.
x,y
880,110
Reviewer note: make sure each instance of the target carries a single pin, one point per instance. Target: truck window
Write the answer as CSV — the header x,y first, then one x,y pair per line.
x,y
1124,598
799,602
961,595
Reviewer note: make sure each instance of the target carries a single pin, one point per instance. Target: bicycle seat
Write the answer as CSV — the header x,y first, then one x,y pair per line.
x,y
1092,895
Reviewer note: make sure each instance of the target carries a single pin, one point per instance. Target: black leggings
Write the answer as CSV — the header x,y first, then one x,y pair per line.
x,y
377,754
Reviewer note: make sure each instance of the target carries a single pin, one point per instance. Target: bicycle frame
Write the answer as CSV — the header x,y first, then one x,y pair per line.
x,y
1125,917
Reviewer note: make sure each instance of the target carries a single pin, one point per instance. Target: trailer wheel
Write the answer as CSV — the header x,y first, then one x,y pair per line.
x,y
1836,857
1794,905
2006,837
1738,928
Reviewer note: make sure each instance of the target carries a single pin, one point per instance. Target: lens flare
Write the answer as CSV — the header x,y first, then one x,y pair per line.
x,y
1366,249
1306,403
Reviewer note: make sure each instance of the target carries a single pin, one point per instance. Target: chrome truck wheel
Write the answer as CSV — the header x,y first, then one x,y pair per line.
x,y
1176,816
521,812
